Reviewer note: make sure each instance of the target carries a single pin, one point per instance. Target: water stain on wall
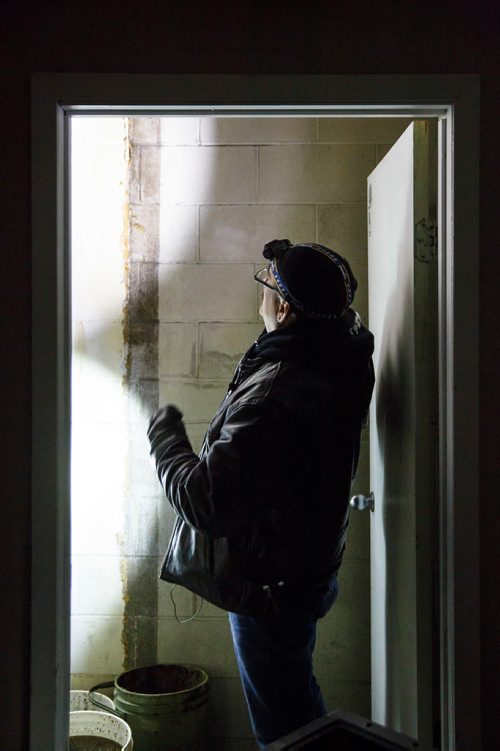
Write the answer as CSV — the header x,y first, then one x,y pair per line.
x,y
140,380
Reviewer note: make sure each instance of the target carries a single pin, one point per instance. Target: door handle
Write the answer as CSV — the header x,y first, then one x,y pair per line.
x,y
360,502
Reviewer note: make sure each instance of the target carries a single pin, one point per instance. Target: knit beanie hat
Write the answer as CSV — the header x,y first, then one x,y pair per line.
x,y
312,278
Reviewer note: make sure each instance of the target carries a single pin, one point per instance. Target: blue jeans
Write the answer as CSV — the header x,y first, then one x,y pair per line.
x,y
274,654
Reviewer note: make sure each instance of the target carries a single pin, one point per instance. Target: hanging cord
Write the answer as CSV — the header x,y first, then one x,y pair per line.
x,y
185,620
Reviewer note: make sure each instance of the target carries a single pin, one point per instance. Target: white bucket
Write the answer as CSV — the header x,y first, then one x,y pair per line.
x,y
101,725
79,701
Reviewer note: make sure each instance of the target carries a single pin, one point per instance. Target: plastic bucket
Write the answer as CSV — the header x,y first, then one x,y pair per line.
x,y
102,725
80,701
165,706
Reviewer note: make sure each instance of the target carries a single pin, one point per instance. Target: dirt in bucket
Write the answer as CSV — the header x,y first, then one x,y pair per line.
x,y
93,743
160,679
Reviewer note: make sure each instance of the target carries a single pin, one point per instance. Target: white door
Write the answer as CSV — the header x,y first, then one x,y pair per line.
x,y
402,268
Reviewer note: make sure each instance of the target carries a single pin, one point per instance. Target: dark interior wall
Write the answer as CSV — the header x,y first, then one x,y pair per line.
x,y
159,36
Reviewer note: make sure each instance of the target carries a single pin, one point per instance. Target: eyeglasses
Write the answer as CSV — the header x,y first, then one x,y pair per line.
x,y
262,277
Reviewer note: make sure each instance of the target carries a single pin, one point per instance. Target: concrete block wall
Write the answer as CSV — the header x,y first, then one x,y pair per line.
x,y
204,195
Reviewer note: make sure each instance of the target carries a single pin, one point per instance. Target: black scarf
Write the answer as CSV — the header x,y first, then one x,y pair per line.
x,y
341,348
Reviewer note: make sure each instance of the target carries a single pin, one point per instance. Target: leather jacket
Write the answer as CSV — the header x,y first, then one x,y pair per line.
x,y
263,510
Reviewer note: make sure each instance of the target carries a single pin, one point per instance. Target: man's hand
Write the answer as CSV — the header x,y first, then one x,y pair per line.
x,y
167,416
165,427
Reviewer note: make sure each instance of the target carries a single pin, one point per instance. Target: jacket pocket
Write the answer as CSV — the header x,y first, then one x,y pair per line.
x,y
205,567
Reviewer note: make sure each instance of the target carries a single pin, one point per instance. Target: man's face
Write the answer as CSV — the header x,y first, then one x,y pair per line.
x,y
270,304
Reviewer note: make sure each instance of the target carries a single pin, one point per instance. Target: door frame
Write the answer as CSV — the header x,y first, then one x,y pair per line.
x,y
452,98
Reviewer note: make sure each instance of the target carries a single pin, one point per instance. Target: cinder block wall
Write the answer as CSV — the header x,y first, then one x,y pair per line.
x,y
204,195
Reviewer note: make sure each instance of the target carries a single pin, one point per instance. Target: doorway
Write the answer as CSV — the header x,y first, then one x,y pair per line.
x,y
58,340
152,255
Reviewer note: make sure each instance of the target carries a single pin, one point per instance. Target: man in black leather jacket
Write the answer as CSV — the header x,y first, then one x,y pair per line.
x,y
263,510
